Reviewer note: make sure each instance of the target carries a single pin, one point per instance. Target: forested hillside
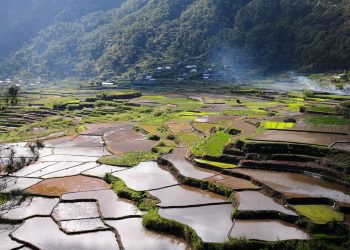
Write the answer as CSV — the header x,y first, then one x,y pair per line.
x,y
21,20
142,34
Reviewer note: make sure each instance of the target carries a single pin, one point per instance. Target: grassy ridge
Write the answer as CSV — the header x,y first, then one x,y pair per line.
x,y
128,159
319,214
214,145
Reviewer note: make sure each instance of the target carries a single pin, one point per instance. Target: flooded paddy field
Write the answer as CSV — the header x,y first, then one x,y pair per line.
x,y
146,176
44,233
267,230
59,186
182,196
72,204
302,137
212,223
233,182
32,206
297,185
132,233
256,201
177,159
109,204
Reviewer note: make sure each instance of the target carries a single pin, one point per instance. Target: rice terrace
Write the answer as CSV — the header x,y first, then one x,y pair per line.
x,y
163,125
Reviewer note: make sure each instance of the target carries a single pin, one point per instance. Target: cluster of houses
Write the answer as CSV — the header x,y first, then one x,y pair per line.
x,y
7,82
341,78
184,73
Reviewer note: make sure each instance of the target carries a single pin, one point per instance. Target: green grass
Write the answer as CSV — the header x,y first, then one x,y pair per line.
x,y
214,145
278,125
51,125
247,112
51,102
322,109
328,120
204,127
188,139
319,214
3,199
118,94
216,164
128,159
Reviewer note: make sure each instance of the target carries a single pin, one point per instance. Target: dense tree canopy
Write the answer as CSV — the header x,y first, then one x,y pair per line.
x,y
139,35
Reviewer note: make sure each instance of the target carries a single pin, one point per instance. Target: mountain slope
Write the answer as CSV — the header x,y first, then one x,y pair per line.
x,y
21,20
143,34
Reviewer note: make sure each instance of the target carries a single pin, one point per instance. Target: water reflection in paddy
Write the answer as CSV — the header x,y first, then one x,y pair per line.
x,y
296,184
253,201
177,158
57,166
33,168
212,223
83,225
59,186
78,151
28,208
146,176
44,233
102,170
13,183
186,196
268,230
6,241
75,210
68,158
134,236
71,171
109,203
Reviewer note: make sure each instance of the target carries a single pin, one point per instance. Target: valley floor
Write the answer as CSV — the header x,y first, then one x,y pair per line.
x,y
122,169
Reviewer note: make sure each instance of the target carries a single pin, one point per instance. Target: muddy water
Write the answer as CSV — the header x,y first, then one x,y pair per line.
x,y
6,241
75,210
59,186
130,146
186,196
44,233
30,207
102,170
71,171
58,141
212,223
109,203
177,158
134,236
255,201
179,127
87,141
267,230
146,176
101,129
83,225
232,182
215,107
215,118
302,137
299,185
127,140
